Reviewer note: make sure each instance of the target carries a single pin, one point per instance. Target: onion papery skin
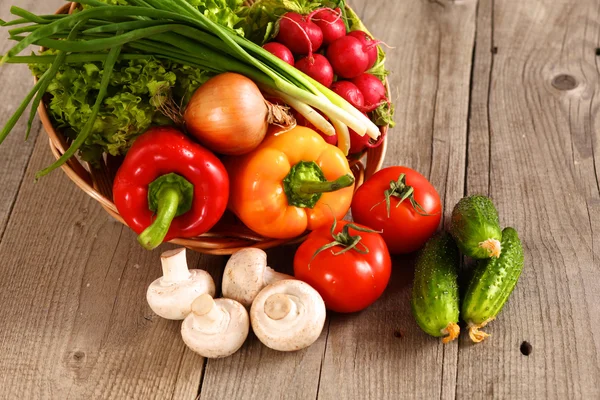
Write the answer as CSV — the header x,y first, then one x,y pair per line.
x,y
227,114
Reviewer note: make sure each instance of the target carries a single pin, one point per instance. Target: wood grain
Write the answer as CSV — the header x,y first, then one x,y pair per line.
x,y
15,81
75,321
518,124
380,352
542,107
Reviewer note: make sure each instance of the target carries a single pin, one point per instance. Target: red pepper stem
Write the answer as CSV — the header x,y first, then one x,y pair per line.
x,y
169,196
168,202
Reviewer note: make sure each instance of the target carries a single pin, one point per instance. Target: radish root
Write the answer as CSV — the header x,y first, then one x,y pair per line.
x,y
337,12
310,46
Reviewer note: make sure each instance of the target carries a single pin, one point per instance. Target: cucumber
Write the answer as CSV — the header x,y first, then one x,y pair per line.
x,y
435,299
491,285
475,227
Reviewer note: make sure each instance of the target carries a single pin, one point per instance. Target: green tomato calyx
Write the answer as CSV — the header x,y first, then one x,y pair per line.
x,y
400,190
346,240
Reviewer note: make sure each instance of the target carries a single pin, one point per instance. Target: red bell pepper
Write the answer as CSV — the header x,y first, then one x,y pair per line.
x,y
169,186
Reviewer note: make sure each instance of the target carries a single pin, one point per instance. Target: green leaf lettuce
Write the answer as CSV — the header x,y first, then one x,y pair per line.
x,y
136,90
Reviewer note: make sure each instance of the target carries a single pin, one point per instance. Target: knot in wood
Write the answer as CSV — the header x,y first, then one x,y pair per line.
x,y
526,348
398,333
564,82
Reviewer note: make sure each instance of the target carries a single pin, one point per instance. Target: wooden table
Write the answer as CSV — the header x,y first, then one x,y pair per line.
x,y
492,97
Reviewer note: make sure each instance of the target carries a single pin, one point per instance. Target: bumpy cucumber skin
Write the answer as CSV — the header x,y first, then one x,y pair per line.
x,y
493,282
435,297
474,221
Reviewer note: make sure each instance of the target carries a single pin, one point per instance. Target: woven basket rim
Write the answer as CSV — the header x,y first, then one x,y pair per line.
x,y
96,184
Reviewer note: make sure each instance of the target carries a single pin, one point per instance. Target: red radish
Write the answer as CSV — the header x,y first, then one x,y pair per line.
x,y
298,34
317,67
369,44
331,23
372,90
332,140
300,120
348,91
280,51
359,143
348,57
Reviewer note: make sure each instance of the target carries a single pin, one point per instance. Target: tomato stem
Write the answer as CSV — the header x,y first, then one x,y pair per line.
x,y
169,196
346,240
402,191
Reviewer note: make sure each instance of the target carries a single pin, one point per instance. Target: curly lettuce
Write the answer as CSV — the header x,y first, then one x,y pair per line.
x,y
136,91
223,12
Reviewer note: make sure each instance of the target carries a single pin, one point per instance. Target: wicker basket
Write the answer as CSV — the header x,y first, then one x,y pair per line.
x,y
229,235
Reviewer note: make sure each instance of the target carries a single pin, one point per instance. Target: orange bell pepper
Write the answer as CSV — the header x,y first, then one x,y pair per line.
x,y
291,183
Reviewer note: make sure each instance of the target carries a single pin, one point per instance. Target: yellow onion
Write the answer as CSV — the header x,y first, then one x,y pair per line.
x,y
229,115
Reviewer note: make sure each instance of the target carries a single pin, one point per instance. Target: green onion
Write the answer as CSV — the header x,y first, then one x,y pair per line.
x,y
58,62
71,58
30,17
21,21
109,65
10,124
307,112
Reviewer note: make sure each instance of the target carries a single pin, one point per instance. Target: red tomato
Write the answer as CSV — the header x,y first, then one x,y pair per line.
x,y
348,282
406,228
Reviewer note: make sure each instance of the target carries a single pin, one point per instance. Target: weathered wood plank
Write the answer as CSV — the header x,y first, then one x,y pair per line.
x,y
75,320
542,139
478,167
16,81
381,352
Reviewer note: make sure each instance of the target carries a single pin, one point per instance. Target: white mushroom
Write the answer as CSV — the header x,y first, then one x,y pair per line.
x,y
171,296
246,273
288,315
216,327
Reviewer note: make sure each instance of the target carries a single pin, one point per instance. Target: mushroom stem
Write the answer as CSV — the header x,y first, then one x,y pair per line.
x,y
272,276
216,327
207,314
288,315
174,266
279,305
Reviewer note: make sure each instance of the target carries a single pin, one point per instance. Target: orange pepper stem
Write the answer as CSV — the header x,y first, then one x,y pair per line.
x,y
305,183
309,187
169,196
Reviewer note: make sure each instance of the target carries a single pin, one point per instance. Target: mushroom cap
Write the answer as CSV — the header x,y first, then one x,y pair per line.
x,y
173,300
288,315
246,273
217,328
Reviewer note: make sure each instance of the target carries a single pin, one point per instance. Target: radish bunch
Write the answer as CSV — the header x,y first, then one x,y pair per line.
x,y
318,45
